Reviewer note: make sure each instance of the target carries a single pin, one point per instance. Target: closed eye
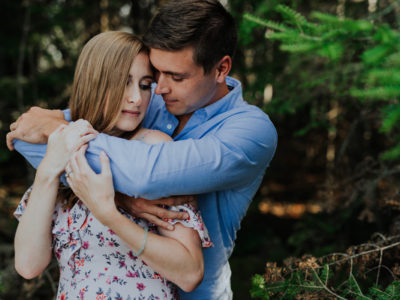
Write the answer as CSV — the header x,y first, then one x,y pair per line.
x,y
145,86
177,79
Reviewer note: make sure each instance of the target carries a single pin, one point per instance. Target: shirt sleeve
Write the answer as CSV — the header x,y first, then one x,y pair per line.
x,y
231,157
19,211
34,153
194,221
67,114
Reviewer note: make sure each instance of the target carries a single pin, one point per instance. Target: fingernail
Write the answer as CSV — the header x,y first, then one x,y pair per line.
x,y
170,227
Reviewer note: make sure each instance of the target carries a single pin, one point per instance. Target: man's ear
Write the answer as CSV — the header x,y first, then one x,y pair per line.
x,y
223,68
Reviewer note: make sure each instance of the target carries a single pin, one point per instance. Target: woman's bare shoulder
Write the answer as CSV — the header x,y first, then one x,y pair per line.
x,y
150,136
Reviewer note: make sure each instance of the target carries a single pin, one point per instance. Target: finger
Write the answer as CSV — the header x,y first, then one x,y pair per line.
x,y
73,164
164,213
85,139
174,200
13,126
88,137
68,167
57,131
90,131
81,162
9,140
157,221
61,127
70,183
83,148
86,127
105,164
83,127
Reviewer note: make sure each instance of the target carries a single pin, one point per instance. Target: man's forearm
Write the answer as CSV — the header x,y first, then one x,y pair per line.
x,y
194,166
35,126
232,157
53,123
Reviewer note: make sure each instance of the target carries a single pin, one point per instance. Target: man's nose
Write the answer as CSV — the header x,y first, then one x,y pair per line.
x,y
162,86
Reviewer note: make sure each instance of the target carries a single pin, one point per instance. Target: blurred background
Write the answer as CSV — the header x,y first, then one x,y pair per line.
x,y
328,75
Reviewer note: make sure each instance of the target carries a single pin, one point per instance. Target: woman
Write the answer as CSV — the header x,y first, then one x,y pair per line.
x,y
102,251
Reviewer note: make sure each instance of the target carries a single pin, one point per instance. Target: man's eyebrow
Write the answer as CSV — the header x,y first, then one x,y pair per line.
x,y
175,73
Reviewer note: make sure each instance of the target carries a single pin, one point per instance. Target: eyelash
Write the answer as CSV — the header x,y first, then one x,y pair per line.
x,y
177,79
145,86
141,86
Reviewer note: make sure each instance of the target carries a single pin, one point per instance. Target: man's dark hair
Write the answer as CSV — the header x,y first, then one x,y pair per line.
x,y
204,25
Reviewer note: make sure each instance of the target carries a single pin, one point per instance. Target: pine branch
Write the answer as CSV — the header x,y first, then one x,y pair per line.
x,y
266,23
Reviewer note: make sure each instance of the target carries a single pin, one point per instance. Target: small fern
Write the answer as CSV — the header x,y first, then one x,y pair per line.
x,y
266,23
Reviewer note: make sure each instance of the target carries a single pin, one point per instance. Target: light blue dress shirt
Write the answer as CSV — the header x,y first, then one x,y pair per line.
x,y
220,155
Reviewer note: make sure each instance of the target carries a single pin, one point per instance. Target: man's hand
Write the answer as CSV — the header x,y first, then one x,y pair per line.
x,y
35,126
152,212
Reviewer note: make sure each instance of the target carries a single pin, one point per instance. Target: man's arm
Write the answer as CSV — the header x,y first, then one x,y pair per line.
x,y
35,126
232,157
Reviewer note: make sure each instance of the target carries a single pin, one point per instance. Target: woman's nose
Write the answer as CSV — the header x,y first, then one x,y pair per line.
x,y
134,97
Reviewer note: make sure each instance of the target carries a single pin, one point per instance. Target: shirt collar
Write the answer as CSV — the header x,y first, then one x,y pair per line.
x,y
233,98
225,103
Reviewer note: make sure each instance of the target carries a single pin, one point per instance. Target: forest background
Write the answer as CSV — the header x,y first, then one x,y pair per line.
x,y
325,223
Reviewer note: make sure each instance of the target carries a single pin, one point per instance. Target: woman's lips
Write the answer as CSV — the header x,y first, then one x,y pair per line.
x,y
132,113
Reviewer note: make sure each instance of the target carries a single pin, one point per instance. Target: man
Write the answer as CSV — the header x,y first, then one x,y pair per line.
x,y
222,145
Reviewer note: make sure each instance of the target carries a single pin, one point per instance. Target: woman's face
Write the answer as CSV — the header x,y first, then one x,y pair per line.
x,y
137,94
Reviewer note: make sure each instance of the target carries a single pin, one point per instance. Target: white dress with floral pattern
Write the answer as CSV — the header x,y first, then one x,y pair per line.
x,y
96,264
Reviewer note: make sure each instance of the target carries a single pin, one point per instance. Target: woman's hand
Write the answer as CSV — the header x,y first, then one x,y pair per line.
x,y
152,211
64,141
95,190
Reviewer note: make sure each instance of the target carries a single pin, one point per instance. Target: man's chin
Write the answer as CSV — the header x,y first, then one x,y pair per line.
x,y
174,111
178,111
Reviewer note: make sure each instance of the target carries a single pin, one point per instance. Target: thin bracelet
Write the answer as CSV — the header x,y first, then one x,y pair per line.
x,y
146,229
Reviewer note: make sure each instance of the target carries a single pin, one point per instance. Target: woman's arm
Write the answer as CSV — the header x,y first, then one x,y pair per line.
x,y
176,255
33,236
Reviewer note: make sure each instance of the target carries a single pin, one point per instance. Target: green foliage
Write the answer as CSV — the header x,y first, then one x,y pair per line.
x,y
258,289
353,274
337,78
391,292
299,283
365,53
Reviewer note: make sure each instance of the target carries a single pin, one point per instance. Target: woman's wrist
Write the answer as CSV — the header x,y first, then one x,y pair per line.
x,y
47,173
110,216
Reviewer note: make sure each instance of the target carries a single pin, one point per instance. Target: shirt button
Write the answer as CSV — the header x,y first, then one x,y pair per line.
x,y
169,126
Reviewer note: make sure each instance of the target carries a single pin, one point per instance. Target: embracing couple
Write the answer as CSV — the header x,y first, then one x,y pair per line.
x,y
159,175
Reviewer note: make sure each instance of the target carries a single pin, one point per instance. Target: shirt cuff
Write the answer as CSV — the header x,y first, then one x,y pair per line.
x,y
67,114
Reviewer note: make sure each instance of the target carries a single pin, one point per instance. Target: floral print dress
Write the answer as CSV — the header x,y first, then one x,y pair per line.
x,y
96,264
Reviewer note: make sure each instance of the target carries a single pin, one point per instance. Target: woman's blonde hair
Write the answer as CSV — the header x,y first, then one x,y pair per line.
x,y
99,83
100,78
